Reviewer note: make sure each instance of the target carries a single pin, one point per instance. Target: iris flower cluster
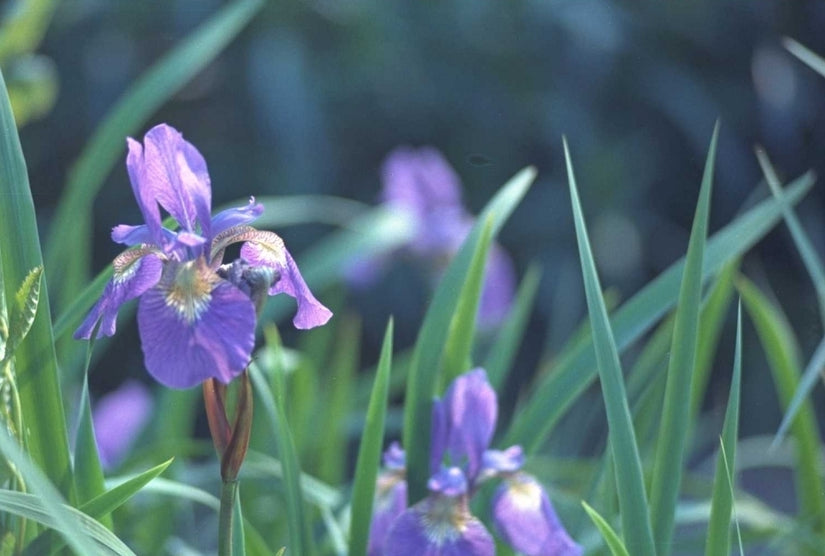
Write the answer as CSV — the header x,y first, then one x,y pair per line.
x,y
196,315
463,423
421,185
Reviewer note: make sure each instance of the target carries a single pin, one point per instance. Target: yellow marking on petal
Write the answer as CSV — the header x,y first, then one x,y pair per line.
x,y
270,243
127,264
445,519
190,290
525,494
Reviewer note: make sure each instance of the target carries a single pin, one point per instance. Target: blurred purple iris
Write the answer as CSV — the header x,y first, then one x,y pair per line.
x,y
463,424
196,316
421,184
118,418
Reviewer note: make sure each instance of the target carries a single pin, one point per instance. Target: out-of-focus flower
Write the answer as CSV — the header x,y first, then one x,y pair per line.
x,y
118,418
421,184
390,498
525,519
463,424
196,317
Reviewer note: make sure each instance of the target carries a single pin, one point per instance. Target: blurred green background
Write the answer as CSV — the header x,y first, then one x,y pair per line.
x,y
312,96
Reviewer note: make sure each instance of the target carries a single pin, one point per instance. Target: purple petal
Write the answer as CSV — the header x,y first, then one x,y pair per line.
x,y
438,526
439,435
144,190
364,272
449,482
499,288
526,520
420,180
175,172
118,418
502,461
135,272
390,502
236,216
394,457
422,184
470,410
190,333
136,235
311,312
132,235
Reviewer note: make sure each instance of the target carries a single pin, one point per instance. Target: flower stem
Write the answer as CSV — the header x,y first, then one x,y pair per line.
x,y
229,493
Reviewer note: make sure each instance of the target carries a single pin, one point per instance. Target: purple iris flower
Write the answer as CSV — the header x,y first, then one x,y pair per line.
x,y
118,418
196,315
463,424
421,185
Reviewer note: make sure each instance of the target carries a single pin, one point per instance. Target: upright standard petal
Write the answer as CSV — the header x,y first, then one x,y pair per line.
x,y
194,326
525,519
311,312
439,526
420,180
145,191
176,173
135,272
118,418
467,421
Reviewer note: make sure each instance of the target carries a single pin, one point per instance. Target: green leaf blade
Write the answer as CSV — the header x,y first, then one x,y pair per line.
x,y
556,392
369,453
780,347
35,360
629,482
667,469
614,542
718,538
502,354
459,345
288,455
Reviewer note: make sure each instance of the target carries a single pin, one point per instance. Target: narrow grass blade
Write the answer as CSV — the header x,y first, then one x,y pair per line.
x,y
51,502
100,507
614,543
424,368
711,320
333,439
718,540
35,361
88,474
503,352
369,452
668,463
812,372
572,374
813,264
779,343
815,62
274,408
84,527
631,489
115,497
69,248
459,346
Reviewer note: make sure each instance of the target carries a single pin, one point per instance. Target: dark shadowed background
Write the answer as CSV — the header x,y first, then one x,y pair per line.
x,y
313,95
